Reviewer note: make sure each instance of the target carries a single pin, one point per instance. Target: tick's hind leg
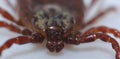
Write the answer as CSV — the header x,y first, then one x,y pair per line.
x,y
99,15
9,17
93,2
9,4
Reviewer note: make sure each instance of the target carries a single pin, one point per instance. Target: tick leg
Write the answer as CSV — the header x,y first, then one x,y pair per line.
x,y
10,27
36,38
8,2
91,4
103,37
73,38
18,40
77,39
26,32
103,29
9,17
15,29
99,15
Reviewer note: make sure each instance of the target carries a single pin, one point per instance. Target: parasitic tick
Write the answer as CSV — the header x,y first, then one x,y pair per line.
x,y
58,22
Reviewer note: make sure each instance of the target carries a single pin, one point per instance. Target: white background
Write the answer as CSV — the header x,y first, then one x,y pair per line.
x,y
94,50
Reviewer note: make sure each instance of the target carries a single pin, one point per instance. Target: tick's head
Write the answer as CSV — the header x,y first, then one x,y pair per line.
x,y
54,21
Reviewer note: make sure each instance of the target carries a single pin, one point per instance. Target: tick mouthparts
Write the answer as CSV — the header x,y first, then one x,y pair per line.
x,y
56,46
54,33
54,39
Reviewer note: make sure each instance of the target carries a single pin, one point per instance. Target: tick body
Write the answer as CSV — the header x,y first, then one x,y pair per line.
x,y
58,22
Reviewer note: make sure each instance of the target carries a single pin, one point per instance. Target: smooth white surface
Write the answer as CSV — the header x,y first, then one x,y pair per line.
x,y
94,50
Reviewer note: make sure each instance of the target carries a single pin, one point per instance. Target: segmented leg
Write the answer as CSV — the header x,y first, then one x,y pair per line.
x,y
9,4
15,29
9,17
26,32
103,37
101,14
17,40
10,27
103,29
91,4
77,39
35,38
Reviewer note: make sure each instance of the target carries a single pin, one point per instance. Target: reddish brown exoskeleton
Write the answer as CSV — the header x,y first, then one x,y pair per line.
x,y
58,22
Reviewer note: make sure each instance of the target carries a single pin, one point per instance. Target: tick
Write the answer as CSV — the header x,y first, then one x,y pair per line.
x,y
58,22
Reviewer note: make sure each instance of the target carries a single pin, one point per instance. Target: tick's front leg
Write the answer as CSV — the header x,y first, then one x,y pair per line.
x,y
103,37
103,29
77,39
73,38
35,38
18,40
